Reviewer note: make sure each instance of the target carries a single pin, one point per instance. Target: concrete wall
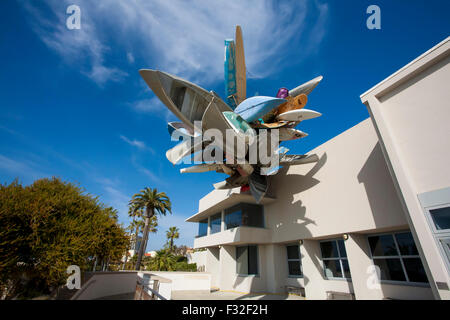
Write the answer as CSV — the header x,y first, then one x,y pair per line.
x,y
231,281
235,236
316,285
411,111
103,284
186,281
369,180
199,258
212,266
348,190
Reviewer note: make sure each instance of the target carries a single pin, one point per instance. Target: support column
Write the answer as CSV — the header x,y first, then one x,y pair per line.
x,y
222,221
276,269
227,268
360,263
313,270
212,265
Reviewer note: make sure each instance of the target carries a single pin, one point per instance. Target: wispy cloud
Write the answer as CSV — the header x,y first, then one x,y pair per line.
x,y
136,143
117,200
113,196
187,36
153,177
10,131
74,45
23,169
153,106
184,37
130,57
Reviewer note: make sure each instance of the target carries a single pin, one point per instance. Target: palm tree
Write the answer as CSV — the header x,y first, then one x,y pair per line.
x,y
153,202
153,224
163,261
172,233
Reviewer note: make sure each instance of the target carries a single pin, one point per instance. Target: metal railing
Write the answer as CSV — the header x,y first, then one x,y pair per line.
x,y
147,289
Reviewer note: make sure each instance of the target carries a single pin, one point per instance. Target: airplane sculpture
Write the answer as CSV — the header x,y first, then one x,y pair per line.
x,y
243,120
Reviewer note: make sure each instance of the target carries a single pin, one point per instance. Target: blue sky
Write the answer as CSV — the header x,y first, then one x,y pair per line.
x,y
73,105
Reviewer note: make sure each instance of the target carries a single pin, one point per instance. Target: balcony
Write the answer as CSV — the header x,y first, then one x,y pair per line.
x,y
219,200
235,236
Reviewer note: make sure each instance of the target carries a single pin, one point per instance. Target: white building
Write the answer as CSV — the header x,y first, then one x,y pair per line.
x,y
379,196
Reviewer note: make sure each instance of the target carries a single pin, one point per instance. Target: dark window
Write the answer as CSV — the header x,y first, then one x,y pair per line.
x,y
334,256
397,257
215,222
202,228
244,214
329,249
294,261
441,218
415,270
247,260
293,252
382,245
391,269
233,219
406,244
332,268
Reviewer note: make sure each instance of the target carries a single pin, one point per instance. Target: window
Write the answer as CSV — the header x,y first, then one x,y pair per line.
x,y
294,261
397,257
247,260
334,256
202,228
215,222
244,214
441,218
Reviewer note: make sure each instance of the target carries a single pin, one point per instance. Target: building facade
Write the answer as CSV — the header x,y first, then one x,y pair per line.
x,y
375,206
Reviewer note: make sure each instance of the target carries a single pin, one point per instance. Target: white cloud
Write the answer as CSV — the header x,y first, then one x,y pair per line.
x,y
145,171
117,199
130,57
21,169
186,37
153,106
136,143
75,45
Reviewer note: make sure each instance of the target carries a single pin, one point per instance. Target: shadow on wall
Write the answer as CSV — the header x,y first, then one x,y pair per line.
x,y
297,184
383,199
294,184
296,214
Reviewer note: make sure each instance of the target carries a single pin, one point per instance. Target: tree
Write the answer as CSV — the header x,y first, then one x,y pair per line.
x,y
137,225
153,202
171,234
163,261
46,227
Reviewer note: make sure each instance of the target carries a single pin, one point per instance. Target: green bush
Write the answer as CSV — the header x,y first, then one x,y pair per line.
x,y
46,227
